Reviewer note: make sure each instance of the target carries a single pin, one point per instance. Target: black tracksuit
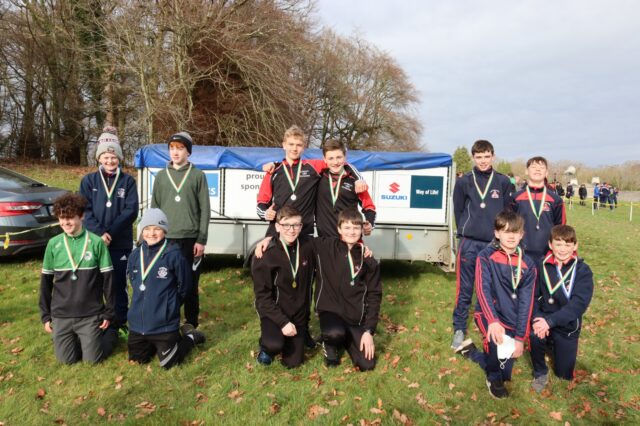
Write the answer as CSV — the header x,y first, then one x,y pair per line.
x,y
564,316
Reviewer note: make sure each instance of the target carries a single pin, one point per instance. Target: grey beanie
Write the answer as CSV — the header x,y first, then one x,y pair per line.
x,y
109,142
154,217
184,138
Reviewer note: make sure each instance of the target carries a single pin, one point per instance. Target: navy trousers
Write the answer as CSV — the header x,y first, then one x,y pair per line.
x,y
563,350
468,250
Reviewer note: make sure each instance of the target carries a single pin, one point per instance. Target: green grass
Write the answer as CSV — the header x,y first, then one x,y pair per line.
x,y
417,375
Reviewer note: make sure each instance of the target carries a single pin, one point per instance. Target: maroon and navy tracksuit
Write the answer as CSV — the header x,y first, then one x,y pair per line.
x,y
475,227
499,302
564,315
327,212
282,298
536,233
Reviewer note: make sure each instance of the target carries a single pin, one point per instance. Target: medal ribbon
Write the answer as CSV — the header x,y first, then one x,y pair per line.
x,y
146,271
352,270
561,278
516,281
184,179
108,190
538,213
74,265
334,194
482,194
293,184
294,269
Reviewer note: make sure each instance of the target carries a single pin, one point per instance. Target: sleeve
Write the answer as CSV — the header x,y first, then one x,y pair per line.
x,y
183,274
46,285
458,200
205,209
90,220
318,165
262,288
368,208
156,196
507,190
578,303
265,195
559,212
106,269
352,169
526,301
127,215
483,289
374,295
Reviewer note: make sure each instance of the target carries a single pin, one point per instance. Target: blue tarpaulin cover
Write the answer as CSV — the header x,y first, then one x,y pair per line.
x,y
217,157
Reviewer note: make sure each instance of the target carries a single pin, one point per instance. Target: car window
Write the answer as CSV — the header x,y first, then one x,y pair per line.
x,y
9,180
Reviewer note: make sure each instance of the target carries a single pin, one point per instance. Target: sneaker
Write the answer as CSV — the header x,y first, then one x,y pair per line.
x,y
539,383
309,341
466,348
331,356
264,358
197,336
458,338
497,389
186,328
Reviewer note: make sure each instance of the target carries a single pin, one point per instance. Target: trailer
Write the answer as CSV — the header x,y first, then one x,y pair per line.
x,y
411,191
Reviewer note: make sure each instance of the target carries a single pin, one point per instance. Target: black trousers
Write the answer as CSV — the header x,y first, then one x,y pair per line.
x,y
336,332
273,342
192,301
494,368
564,351
171,348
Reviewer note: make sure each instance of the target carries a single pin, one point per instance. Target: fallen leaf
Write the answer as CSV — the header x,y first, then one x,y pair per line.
x,y
451,386
119,379
17,350
41,393
375,410
101,411
402,418
316,410
474,397
413,385
556,415
274,408
396,360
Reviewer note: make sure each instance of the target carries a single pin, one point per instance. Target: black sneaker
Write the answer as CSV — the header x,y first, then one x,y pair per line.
x,y
497,389
264,358
309,341
466,348
186,328
197,336
331,356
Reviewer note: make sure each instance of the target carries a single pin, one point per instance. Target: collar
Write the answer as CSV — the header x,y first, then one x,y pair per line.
x,y
80,235
285,161
154,246
552,259
485,173
106,173
535,188
170,166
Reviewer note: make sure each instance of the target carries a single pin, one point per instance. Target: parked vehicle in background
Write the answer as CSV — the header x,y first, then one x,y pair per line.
x,y
26,208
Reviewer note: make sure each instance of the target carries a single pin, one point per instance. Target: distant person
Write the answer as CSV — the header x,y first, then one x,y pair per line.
x,y
605,191
614,194
512,179
76,292
596,195
478,197
569,193
563,294
582,193
559,189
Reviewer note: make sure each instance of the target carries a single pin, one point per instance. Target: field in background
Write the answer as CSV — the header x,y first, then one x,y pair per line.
x,y
418,380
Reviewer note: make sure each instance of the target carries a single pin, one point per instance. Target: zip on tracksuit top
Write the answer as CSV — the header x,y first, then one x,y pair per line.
x,y
536,241
569,304
357,304
116,220
494,268
276,297
475,222
156,309
90,293
327,212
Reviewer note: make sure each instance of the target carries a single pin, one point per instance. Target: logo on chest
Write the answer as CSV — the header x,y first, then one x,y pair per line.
x,y
88,256
120,193
495,193
163,272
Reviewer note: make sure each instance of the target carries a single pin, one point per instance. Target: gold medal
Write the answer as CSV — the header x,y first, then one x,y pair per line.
x,y
294,285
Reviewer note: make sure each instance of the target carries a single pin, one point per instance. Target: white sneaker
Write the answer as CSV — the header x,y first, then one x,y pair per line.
x,y
458,338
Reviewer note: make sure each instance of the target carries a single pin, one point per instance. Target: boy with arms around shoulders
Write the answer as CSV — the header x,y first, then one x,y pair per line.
x,y
478,197
182,193
76,293
563,294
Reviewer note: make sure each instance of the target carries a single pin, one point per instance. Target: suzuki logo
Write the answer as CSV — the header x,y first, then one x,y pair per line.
x,y
394,187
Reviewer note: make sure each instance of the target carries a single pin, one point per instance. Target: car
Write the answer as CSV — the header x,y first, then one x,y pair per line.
x,y
26,213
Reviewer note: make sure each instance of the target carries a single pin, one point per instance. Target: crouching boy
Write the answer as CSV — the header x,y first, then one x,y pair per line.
x,y
76,295
160,280
563,294
281,281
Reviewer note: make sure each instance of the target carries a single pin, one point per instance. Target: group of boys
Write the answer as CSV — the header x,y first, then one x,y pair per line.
x,y
516,250
605,194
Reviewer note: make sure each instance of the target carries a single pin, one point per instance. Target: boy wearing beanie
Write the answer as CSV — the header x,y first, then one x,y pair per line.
x,y
182,193
110,212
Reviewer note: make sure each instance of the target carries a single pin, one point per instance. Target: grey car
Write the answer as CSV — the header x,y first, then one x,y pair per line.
x,y
26,208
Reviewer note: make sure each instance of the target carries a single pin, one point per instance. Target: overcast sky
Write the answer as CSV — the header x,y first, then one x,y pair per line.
x,y
555,78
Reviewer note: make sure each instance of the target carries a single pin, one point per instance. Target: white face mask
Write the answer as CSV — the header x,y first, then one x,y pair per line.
x,y
507,348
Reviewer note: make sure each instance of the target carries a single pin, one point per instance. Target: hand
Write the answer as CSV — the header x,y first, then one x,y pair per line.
x,y
269,167
198,250
361,186
540,327
289,330
367,346
517,353
261,247
47,327
367,252
495,333
270,214
104,325
367,228
106,238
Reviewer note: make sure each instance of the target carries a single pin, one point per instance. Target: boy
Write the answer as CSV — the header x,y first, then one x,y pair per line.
x,y
596,196
182,193
112,208
564,291
540,207
582,192
76,295
281,280
336,192
505,281
478,197
160,280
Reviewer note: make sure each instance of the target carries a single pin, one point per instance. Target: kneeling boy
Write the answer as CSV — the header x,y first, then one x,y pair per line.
x,y
160,280
564,291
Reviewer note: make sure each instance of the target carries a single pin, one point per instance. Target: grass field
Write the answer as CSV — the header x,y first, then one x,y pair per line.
x,y
417,381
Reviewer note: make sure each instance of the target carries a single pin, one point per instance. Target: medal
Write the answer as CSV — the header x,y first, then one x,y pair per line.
x,y
294,269
142,287
334,193
482,194
561,278
108,190
515,279
293,184
109,204
74,265
514,296
145,271
293,197
179,187
294,285
352,283
352,270
537,213
551,301
537,226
